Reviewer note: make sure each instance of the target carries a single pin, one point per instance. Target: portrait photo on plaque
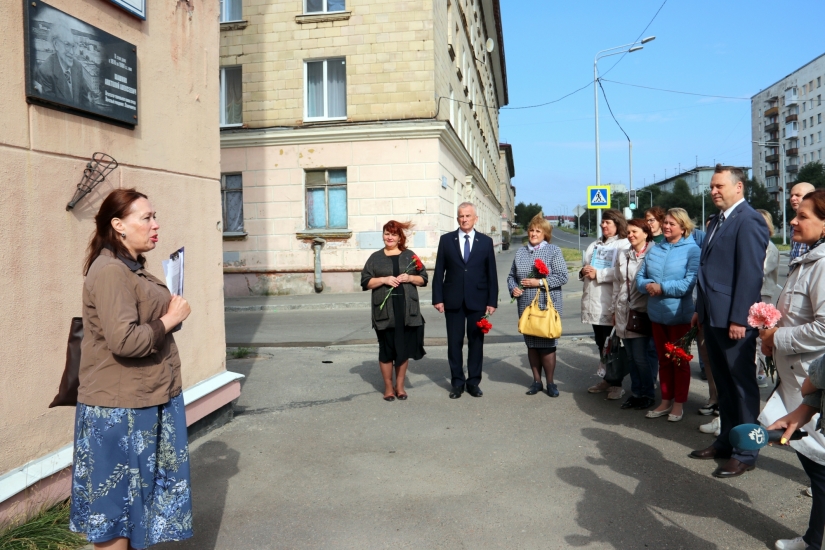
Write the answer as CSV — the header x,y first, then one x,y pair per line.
x,y
75,67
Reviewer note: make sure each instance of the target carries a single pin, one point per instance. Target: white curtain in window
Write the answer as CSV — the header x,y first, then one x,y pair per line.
x,y
316,208
233,207
338,207
315,89
233,112
337,87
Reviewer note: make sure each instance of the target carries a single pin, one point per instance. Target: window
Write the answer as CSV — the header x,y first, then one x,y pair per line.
x,y
232,202
805,158
819,136
231,10
818,81
326,89
326,199
231,96
804,123
804,141
819,100
819,118
323,6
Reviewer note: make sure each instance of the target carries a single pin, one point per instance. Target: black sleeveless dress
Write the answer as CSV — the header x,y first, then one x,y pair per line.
x,y
399,343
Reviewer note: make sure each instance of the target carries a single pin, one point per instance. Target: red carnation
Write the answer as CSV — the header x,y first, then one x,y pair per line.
x,y
541,267
484,324
418,265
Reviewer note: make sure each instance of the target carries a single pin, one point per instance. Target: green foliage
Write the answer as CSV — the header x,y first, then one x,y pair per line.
x,y
526,212
813,173
241,353
48,530
758,197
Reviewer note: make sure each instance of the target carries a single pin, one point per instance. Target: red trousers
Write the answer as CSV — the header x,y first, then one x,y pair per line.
x,y
674,378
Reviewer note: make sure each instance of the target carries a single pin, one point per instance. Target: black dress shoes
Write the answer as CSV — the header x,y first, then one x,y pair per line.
x,y
631,402
475,391
732,468
456,392
708,454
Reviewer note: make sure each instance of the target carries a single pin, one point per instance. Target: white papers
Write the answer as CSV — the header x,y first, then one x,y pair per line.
x,y
173,272
603,258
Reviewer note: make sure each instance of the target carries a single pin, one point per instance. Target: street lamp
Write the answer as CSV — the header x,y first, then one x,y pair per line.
x,y
782,171
632,47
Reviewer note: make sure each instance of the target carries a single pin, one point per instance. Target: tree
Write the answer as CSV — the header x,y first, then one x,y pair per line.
x,y
758,197
813,173
526,212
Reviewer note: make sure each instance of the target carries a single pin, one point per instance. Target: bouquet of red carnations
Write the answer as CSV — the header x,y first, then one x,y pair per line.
x,y
416,265
764,316
679,350
539,270
484,324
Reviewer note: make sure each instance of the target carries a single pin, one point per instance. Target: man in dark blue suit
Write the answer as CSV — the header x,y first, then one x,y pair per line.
x,y
465,287
730,281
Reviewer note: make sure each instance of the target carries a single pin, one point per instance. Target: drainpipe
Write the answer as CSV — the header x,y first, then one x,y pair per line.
x,y
317,244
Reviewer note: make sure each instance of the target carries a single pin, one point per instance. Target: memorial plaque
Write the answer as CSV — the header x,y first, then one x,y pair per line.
x,y
75,67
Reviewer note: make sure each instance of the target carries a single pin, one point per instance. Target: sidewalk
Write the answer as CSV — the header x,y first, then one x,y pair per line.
x,y
324,300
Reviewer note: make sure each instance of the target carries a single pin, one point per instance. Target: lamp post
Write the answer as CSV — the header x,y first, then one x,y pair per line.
x,y
782,171
632,47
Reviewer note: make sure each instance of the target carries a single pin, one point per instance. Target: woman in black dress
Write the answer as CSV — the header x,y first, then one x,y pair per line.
x,y
393,273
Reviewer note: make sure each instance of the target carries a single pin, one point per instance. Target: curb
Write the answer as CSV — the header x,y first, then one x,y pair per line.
x,y
320,306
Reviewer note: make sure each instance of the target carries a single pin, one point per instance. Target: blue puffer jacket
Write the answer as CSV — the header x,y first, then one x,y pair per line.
x,y
674,267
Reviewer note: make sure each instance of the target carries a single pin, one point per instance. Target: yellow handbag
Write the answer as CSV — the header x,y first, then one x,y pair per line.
x,y
543,323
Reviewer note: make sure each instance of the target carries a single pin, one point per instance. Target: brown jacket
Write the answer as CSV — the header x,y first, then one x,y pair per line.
x,y
127,359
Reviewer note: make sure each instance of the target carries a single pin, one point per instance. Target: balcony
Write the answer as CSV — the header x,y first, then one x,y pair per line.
x,y
773,127
771,173
773,111
791,118
791,96
772,158
792,152
792,168
792,130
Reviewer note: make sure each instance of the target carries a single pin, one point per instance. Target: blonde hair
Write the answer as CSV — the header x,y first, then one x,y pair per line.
x,y
768,220
539,222
682,218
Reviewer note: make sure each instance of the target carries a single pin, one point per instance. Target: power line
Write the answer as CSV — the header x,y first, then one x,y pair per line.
x,y
611,110
676,91
549,102
637,38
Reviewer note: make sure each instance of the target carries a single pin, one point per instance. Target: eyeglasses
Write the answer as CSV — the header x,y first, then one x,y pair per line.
x,y
72,46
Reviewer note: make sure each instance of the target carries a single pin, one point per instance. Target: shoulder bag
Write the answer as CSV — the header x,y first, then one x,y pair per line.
x,y
637,321
543,323
67,393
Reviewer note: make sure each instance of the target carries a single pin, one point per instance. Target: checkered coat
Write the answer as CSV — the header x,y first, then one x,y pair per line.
x,y
551,255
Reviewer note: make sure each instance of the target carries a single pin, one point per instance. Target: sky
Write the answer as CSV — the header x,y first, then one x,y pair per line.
x,y
729,48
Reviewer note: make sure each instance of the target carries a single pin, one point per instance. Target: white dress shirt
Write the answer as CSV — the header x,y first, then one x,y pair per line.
x,y
727,214
461,239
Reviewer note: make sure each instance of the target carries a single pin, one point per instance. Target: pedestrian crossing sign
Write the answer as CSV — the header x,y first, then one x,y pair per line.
x,y
598,196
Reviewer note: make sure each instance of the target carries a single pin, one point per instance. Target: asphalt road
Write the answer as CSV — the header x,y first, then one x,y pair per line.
x,y
316,459
569,240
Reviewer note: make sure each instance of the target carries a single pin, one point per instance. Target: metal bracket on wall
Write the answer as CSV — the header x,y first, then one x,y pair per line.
x,y
95,172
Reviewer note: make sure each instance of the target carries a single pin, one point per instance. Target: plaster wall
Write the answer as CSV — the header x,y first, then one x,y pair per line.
x,y
172,156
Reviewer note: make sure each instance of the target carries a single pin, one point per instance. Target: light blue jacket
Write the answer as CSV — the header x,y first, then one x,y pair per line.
x,y
674,267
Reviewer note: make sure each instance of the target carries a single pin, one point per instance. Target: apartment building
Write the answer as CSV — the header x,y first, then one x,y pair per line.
x,y
339,115
786,125
698,179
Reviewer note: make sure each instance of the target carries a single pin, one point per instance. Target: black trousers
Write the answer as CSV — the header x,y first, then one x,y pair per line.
x,y
457,319
816,523
733,364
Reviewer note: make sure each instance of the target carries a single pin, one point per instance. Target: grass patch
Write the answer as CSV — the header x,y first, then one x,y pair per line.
x,y
777,240
238,353
571,255
48,530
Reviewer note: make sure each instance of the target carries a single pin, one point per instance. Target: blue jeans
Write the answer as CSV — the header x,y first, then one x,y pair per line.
x,y
642,374
652,358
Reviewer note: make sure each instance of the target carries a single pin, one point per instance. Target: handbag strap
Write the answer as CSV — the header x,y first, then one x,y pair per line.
x,y
536,297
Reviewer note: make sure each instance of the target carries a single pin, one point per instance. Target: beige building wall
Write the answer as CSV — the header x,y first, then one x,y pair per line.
x,y
172,155
420,135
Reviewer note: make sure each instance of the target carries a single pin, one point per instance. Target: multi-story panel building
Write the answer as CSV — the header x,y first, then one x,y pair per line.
x,y
786,118
698,179
339,115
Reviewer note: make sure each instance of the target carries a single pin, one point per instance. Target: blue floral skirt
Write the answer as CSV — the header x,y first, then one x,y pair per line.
x,y
130,476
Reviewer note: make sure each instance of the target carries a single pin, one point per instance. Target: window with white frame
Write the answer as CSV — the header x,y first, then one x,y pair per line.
x,y
231,10
326,199
324,6
231,96
232,202
325,89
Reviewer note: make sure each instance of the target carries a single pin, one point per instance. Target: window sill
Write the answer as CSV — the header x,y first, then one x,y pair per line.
x,y
335,119
222,126
233,25
324,233
322,17
234,235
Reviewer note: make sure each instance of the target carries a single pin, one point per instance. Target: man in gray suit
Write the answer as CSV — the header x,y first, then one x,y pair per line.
x,y
729,282
60,76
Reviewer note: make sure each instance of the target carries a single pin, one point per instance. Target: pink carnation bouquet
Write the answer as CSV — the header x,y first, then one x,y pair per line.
x,y
764,316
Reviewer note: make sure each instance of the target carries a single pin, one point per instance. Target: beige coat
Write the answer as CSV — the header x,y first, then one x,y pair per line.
x,y
627,265
126,359
597,294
